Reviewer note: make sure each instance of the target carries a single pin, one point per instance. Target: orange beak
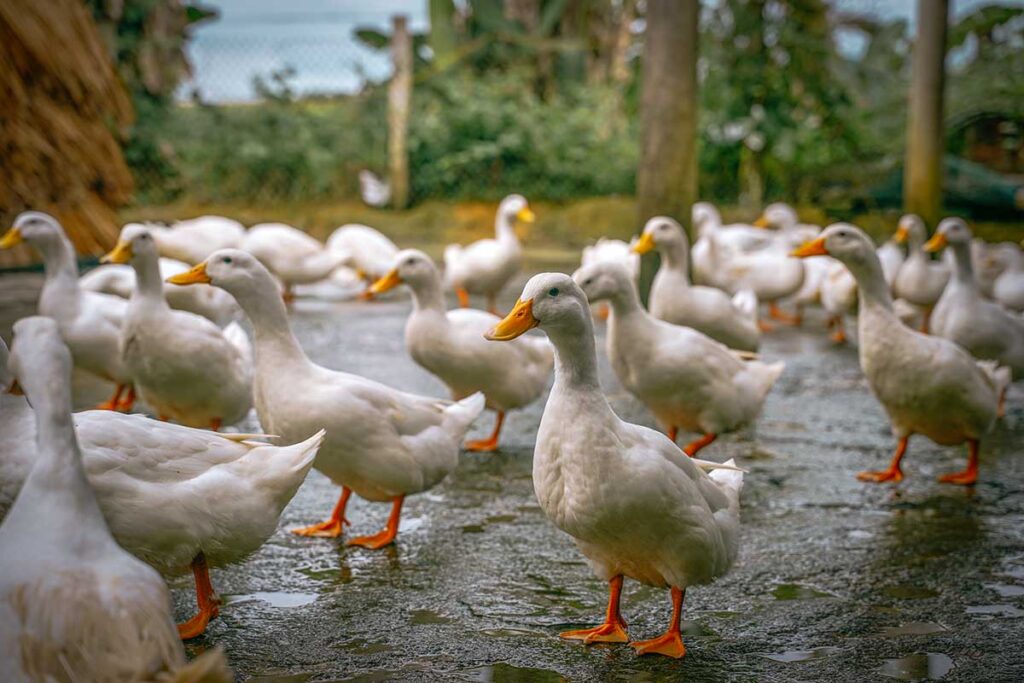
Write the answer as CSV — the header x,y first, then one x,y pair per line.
x,y
519,321
812,248
644,244
386,283
936,243
901,235
122,253
11,238
193,276
762,222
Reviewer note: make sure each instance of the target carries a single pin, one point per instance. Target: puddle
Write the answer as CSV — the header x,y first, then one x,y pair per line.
x,y
913,628
695,629
1006,590
506,673
917,667
423,617
363,647
796,591
906,591
274,599
989,611
802,655
500,519
473,529
513,633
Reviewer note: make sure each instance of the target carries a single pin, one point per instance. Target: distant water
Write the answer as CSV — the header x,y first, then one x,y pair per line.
x,y
316,39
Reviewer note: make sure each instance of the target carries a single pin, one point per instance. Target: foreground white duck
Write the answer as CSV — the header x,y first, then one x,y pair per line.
x,y
451,345
920,280
369,251
190,241
485,266
119,280
1008,288
290,254
381,443
685,378
731,321
927,385
184,366
633,502
610,250
73,604
963,315
90,323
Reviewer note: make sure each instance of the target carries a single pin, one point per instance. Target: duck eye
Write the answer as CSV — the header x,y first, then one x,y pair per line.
x,y
226,259
588,281
553,291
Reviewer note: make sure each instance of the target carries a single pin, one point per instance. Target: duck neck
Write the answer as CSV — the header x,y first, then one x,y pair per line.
x,y
504,228
59,265
871,285
265,309
626,306
963,272
427,296
575,356
675,257
149,286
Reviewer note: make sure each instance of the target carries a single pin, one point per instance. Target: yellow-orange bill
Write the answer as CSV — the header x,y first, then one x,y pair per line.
x,y
519,321
901,235
388,282
526,215
122,253
644,244
11,238
813,248
936,243
193,276
761,222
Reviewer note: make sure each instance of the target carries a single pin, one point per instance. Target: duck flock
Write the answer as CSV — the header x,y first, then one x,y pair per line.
x,y
111,502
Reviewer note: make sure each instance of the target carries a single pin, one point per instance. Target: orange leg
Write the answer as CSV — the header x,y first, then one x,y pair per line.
x,y
125,404
215,424
602,311
765,326
613,630
926,319
673,432
288,295
463,296
968,477
332,527
1001,408
490,443
114,400
777,313
669,643
206,598
894,473
386,537
838,335
692,448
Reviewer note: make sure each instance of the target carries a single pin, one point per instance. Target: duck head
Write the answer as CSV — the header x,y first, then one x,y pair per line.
x,y
515,210
910,229
951,231
842,241
603,280
411,267
34,227
777,216
549,300
233,270
660,232
135,244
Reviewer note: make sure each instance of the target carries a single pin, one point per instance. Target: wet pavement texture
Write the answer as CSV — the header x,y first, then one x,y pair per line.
x,y
836,580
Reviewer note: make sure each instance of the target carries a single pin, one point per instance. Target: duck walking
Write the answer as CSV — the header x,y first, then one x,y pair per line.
x,y
927,385
636,506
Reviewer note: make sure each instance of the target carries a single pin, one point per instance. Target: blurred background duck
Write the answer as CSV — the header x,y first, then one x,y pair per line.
x,y
381,443
686,379
1008,288
716,241
185,367
190,241
485,266
366,250
634,503
606,249
291,255
729,320
927,385
72,601
920,280
963,315
451,345
90,323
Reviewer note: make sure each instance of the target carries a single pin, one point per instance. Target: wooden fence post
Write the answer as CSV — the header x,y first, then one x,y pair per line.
x,y
399,96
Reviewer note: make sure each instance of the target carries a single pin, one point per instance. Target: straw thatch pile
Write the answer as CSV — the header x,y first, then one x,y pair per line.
x,y
62,107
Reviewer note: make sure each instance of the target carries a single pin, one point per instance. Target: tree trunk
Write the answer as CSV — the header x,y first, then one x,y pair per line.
x,y
667,176
399,95
442,32
922,174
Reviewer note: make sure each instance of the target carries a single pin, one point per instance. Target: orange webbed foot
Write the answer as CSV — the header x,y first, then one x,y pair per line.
x,y
882,476
610,632
482,445
374,541
331,528
968,477
196,626
669,644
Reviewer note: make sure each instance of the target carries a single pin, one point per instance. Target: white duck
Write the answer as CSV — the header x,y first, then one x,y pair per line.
x,y
633,502
1008,288
175,497
485,266
890,254
119,280
185,367
610,250
90,323
73,604
989,263
685,378
838,298
715,241
731,321
190,241
290,254
920,280
451,345
382,443
783,219
927,385
963,315
369,251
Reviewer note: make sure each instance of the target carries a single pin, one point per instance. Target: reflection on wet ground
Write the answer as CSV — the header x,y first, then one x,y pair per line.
x,y
836,580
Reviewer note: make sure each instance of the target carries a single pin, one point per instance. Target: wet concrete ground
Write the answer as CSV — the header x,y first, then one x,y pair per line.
x,y
836,580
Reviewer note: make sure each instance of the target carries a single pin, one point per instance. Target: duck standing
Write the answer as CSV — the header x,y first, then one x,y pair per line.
x,y
920,280
290,254
927,385
450,344
486,266
381,443
633,502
